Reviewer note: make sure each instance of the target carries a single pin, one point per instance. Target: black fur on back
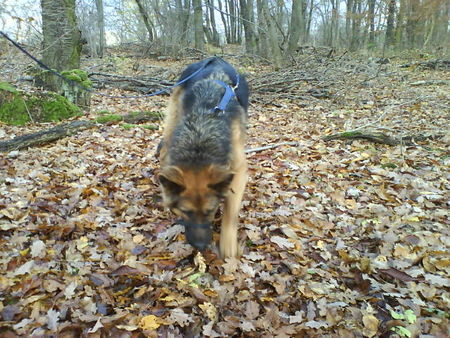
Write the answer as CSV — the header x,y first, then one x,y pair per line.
x,y
203,137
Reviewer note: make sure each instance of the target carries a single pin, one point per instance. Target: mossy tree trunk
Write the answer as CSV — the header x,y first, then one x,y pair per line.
x,y
61,45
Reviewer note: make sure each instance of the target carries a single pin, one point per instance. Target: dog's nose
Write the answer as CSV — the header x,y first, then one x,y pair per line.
x,y
198,235
200,245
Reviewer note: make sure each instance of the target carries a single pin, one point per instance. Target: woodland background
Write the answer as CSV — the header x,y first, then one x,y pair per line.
x,y
344,225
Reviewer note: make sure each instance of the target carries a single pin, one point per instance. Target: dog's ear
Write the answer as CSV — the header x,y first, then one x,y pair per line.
x,y
222,185
171,179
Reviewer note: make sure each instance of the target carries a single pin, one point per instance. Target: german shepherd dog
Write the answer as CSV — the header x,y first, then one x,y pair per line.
x,y
202,153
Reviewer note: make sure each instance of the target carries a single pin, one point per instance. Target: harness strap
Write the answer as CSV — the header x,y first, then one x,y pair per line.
x,y
226,98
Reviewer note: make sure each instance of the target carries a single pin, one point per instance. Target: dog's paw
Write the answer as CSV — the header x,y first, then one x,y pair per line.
x,y
229,249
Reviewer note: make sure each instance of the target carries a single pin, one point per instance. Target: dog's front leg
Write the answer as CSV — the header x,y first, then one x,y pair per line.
x,y
229,229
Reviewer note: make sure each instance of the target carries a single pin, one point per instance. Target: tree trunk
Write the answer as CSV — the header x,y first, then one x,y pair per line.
x,y
233,21
308,25
400,25
334,34
275,50
371,18
356,25
198,24
296,27
389,39
101,27
225,23
412,24
61,45
183,8
246,9
431,29
348,21
215,33
146,19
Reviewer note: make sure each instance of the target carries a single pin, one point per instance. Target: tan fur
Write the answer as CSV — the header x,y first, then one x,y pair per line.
x,y
228,234
173,115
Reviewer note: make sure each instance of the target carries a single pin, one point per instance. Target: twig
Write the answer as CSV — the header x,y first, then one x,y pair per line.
x,y
28,111
276,145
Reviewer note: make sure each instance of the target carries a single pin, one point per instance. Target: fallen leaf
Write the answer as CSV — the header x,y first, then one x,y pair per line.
x,y
397,274
149,322
370,325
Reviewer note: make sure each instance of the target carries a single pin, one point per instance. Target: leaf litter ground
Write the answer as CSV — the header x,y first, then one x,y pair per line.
x,y
340,239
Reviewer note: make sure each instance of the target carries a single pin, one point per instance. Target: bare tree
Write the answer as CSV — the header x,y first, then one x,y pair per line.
x,y
146,19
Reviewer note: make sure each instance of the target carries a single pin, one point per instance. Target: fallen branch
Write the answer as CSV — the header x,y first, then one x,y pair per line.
x,y
430,82
68,129
144,84
381,138
254,150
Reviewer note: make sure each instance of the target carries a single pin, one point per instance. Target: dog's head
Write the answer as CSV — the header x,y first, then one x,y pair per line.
x,y
195,195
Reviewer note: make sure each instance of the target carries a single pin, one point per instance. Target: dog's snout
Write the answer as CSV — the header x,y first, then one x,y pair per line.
x,y
198,235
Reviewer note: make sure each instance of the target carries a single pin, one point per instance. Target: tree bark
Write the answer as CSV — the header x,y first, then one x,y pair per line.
x,y
198,24
101,27
247,22
400,25
389,38
275,50
183,9
233,21
334,23
225,23
356,25
413,31
215,33
348,21
296,27
61,45
371,24
308,24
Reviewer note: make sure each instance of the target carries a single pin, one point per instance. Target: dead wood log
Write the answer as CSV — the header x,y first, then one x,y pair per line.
x,y
45,136
381,138
69,129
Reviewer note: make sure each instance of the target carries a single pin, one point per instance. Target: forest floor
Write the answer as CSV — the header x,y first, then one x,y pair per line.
x,y
342,238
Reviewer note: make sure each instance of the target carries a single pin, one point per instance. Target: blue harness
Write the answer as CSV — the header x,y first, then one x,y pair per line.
x,y
226,98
